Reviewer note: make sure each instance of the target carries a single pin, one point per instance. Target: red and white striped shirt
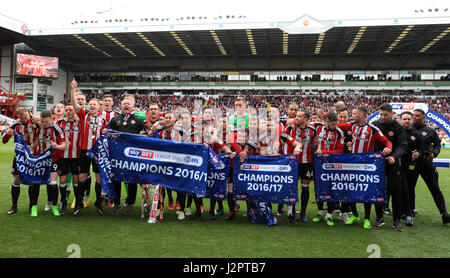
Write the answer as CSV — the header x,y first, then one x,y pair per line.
x,y
364,136
329,141
91,128
305,136
72,132
176,134
27,131
108,116
45,136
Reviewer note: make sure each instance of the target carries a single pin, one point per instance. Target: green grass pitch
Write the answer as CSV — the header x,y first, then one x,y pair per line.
x,y
108,236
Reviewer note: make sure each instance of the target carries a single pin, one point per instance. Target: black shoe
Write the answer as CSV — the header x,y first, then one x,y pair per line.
x,y
409,221
387,211
379,222
129,210
197,215
292,219
415,212
63,208
446,218
212,215
77,210
230,215
397,226
99,210
116,209
12,210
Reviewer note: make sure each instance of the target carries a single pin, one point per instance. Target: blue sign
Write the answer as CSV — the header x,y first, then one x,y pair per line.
x,y
100,154
216,187
272,179
259,212
32,169
352,178
145,160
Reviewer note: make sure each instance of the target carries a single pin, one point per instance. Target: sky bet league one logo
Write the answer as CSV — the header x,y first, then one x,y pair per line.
x,y
160,156
349,167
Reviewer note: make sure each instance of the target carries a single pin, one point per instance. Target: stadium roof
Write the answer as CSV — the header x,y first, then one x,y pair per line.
x,y
244,42
340,48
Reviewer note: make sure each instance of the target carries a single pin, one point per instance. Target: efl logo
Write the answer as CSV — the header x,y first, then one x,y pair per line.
x,y
380,199
327,197
377,155
292,200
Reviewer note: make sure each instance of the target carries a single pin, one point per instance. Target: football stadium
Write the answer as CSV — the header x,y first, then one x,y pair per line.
x,y
237,129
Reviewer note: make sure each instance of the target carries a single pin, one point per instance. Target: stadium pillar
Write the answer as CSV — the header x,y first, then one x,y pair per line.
x,y
35,95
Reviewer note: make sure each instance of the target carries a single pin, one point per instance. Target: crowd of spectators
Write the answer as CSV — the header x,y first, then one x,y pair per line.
x,y
312,103
225,78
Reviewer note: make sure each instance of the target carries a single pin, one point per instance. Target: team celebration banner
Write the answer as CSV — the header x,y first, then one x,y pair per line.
x,y
100,154
272,179
352,178
217,178
141,159
32,169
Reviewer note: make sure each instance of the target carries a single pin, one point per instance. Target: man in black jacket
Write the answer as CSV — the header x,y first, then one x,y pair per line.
x,y
394,132
425,167
128,122
408,164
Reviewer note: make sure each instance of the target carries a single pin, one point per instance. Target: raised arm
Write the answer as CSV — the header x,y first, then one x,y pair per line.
x,y
73,95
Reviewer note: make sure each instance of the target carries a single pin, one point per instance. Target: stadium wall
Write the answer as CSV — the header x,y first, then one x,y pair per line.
x,y
6,68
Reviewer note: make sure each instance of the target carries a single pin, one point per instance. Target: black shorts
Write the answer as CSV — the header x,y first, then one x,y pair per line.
x,y
54,166
306,171
85,163
68,165
14,168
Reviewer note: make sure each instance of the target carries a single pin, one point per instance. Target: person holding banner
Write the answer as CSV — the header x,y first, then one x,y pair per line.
x,y
69,161
330,139
364,136
107,113
304,133
240,143
58,113
128,122
170,131
425,167
91,124
343,118
212,140
27,129
49,135
395,133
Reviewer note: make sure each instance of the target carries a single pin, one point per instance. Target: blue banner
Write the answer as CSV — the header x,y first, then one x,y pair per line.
x,y
352,178
272,179
100,154
217,178
259,212
145,160
32,169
